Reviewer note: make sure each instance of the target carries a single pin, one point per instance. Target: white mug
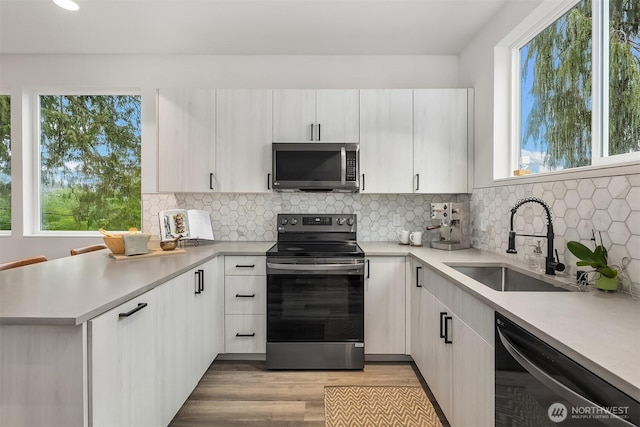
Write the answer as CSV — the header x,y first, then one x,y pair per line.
x,y
416,238
403,236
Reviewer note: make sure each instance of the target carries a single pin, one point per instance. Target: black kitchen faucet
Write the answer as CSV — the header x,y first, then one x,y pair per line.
x,y
553,263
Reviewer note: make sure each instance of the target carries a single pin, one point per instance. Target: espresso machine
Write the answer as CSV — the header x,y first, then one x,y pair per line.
x,y
453,228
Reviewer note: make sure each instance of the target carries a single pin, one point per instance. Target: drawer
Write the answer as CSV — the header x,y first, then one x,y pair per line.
x,y
245,294
254,265
245,333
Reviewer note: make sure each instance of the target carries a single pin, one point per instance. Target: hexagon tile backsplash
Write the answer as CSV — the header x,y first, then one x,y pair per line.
x,y
609,205
252,217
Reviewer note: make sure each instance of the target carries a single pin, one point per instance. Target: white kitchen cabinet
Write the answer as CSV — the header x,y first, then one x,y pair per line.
x,y
186,140
245,304
455,360
323,115
123,368
384,302
386,135
440,153
244,123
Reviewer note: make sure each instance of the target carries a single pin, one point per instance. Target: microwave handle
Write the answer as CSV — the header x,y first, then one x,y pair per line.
x,y
343,163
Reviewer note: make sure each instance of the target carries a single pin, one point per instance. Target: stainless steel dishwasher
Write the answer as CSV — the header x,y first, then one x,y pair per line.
x,y
536,385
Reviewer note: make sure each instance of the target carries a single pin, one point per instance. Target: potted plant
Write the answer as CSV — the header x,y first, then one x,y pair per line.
x,y
606,276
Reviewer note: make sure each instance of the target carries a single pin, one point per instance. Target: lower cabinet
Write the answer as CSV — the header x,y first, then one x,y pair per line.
x,y
384,305
455,360
245,304
124,363
147,355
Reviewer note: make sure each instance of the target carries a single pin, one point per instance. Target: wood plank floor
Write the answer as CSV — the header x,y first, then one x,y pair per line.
x,y
244,393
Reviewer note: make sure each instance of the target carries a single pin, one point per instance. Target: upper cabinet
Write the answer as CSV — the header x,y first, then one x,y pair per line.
x,y
440,142
386,132
186,140
323,115
243,135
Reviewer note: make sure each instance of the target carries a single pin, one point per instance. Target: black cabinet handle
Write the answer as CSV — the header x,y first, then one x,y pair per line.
x,y
268,181
418,269
198,290
311,131
201,280
362,182
442,316
211,181
246,335
447,340
140,306
319,132
417,181
245,296
368,270
245,266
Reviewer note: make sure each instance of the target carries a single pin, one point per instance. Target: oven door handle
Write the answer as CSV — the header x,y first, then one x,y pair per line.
x,y
315,267
556,386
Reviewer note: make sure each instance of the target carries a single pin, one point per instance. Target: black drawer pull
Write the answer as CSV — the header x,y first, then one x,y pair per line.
x,y
211,182
447,340
442,331
245,296
418,269
198,282
133,311
245,266
246,335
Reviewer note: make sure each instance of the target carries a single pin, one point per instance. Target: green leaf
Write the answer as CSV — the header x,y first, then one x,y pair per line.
x,y
582,252
608,272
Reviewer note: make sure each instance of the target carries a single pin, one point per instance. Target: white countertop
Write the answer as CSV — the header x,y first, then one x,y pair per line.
x,y
599,330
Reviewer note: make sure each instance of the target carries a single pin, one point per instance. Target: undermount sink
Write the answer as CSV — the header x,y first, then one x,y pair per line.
x,y
505,279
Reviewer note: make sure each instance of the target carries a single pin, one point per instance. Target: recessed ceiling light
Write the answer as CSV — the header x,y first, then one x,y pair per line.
x,y
67,4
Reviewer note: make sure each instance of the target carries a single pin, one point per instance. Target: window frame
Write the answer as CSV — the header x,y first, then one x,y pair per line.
x,y
3,92
507,98
33,223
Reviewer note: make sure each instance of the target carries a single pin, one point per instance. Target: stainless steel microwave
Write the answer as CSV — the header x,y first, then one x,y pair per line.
x,y
316,167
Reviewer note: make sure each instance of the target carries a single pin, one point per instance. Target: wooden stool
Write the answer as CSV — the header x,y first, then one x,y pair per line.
x,y
22,262
86,249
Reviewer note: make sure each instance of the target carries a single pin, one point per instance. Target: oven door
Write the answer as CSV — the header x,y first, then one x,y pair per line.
x,y
319,301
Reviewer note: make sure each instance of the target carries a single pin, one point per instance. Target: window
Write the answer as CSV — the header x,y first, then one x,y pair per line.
x,y
5,162
90,175
578,88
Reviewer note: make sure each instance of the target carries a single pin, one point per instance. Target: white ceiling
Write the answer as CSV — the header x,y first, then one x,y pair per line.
x,y
244,27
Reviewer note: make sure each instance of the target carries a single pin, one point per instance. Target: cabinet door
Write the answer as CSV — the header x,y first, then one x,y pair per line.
x,y
384,305
386,134
173,346
186,140
123,374
440,140
245,333
472,372
337,115
417,350
294,115
243,140
210,314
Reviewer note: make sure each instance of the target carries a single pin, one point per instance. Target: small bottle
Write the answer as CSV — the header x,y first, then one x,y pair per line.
x,y
537,259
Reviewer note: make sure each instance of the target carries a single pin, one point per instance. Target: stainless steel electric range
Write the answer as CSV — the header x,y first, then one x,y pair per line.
x,y
315,294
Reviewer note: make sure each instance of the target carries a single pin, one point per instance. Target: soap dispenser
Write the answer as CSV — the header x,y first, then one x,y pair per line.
x,y
537,259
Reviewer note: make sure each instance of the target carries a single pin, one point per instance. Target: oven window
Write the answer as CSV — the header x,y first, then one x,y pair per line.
x,y
308,165
315,308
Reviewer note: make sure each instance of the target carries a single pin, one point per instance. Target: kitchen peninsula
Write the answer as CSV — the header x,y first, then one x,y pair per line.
x,y
52,336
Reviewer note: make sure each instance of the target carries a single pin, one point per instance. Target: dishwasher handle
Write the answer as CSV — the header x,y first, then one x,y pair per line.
x,y
555,385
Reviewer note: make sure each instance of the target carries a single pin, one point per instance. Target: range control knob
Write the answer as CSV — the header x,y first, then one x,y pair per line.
x,y
350,221
293,221
340,221
284,221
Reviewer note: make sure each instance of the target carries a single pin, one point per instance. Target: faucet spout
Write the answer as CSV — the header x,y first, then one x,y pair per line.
x,y
552,264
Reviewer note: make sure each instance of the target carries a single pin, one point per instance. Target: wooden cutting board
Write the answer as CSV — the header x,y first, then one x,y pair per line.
x,y
153,252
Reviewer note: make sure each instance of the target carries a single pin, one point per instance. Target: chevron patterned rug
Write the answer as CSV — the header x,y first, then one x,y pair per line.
x,y
378,406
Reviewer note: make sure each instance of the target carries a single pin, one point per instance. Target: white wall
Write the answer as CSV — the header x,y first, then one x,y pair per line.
x,y
477,70
21,74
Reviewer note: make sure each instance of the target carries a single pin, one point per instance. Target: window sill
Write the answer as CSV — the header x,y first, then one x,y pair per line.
x,y
628,168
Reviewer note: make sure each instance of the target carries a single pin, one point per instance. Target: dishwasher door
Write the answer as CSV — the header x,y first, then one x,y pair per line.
x,y
536,385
